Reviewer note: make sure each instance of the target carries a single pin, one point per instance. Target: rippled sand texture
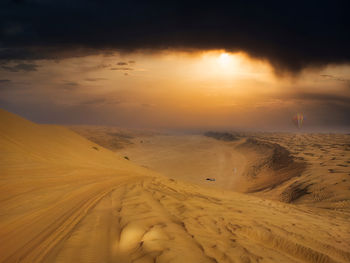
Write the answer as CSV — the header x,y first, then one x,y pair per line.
x,y
66,199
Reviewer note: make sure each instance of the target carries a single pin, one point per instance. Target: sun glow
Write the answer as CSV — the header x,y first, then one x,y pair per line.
x,y
224,60
221,64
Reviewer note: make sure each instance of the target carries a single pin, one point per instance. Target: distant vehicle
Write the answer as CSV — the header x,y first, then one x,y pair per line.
x,y
210,179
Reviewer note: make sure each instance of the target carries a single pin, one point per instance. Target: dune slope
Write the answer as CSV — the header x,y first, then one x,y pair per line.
x,y
269,165
63,200
308,169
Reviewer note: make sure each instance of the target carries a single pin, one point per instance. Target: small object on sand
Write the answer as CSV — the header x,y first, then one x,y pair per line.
x,y
210,179
126,157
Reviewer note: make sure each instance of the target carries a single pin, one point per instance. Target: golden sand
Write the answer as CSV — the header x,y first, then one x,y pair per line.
x,y
64,198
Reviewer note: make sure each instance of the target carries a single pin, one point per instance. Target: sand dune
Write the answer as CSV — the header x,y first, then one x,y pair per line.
x,y
190,158
269,165
325,180
112,138
301,168
66,199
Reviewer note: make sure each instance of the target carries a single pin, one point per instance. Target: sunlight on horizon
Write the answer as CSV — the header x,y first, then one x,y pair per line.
x,y
197,89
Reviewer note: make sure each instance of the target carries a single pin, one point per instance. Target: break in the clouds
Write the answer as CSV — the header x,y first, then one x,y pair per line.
x,y
291,35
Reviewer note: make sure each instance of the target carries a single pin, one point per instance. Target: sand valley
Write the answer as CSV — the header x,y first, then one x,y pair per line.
x,y
145,197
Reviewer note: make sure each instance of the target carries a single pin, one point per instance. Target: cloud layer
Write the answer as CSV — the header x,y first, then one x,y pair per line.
x,y
290,34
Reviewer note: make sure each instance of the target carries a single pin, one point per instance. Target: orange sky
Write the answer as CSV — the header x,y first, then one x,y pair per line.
x,y
177,90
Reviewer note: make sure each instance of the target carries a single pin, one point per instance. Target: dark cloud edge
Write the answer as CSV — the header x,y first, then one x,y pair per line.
x,y
290,35
32,54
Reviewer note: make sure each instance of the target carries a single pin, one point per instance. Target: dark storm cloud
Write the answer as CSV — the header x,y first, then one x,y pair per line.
x,y
290,34
21,67
53,52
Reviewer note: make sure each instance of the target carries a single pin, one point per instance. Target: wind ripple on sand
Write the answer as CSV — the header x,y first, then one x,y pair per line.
x,y
161,220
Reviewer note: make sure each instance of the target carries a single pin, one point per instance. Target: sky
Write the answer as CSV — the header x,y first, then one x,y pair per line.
x,y
177,65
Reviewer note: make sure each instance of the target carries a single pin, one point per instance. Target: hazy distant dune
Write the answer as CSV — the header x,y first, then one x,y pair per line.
x,y
224,136
112,138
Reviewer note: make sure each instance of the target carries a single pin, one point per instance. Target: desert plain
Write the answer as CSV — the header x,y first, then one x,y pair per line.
x,y
106,194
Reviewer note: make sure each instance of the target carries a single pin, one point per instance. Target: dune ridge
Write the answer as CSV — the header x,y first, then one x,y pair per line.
x,y
269,165
63,200
111,138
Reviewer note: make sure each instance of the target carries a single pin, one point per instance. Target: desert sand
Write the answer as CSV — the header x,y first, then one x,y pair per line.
x,y
300,168
275,198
